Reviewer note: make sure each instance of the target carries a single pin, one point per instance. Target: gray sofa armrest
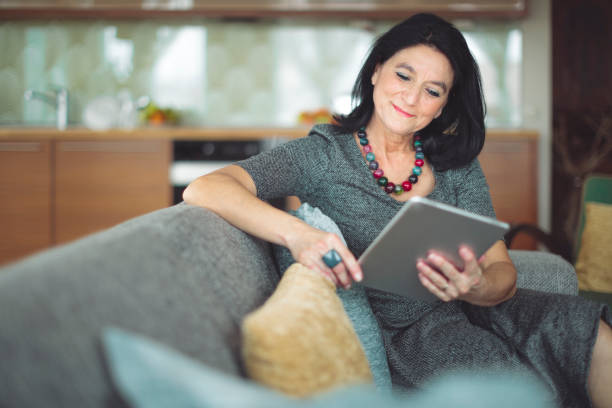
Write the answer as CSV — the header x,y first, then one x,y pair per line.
x,y
544,272
180,275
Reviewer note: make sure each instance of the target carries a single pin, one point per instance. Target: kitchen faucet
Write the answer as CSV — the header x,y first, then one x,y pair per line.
x,y
58,99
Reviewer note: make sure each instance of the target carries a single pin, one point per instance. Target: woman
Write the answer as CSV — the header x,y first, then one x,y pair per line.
x,y
416,131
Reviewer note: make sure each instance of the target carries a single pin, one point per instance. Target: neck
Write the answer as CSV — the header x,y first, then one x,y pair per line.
x,y
388,143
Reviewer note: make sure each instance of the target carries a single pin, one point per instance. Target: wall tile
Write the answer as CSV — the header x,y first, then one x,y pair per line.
x,y
218,72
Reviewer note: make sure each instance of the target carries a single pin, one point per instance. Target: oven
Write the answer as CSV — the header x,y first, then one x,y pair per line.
x,y
194,158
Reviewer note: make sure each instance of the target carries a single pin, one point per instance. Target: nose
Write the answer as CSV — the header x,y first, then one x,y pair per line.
x,y
410,95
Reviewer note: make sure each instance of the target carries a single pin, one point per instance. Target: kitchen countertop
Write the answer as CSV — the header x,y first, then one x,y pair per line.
x,y
24,133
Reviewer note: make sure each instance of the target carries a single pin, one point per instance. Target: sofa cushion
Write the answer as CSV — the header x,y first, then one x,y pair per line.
x,y
301,341
354,300
594,264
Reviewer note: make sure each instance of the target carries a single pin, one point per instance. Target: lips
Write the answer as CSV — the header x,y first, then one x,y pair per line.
x,y
402,112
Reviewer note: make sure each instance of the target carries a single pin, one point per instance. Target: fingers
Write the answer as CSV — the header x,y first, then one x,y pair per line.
x,y
472,270
444,279
318,265
341,274
434,281
350,264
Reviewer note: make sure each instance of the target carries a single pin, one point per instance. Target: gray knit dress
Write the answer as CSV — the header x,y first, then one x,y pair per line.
x,y
550,336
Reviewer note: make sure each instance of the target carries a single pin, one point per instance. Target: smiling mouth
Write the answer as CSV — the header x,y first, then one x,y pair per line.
x,y
403,112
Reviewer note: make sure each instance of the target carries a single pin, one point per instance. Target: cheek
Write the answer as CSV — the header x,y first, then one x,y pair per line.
x,y
436,108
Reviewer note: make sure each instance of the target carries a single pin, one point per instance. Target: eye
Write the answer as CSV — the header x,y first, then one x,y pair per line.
x,y
402,76
433,93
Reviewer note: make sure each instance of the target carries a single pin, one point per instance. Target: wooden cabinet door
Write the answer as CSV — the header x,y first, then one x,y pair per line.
x,y
101,183
510,166
25,198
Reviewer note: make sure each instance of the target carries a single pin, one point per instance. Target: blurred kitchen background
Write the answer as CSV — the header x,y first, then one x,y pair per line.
x,y
107,106
223,72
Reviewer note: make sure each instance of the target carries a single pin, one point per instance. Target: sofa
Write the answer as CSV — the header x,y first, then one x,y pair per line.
x,y
180,275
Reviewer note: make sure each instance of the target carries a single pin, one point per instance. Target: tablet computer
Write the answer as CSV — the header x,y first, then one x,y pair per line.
x,y
389,263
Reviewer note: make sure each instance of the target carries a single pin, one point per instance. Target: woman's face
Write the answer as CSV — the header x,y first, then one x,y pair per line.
x,y
411,89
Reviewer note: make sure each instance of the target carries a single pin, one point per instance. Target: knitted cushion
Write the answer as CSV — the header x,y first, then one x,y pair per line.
x,y
594,265
354,300
301,341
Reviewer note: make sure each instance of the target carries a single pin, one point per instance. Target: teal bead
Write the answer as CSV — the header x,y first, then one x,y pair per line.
x,y
382,181
398,189
418,143
370,157
363,141
416,170
420,155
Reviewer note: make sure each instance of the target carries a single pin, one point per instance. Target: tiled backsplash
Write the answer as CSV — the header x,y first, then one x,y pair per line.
x,y
222,73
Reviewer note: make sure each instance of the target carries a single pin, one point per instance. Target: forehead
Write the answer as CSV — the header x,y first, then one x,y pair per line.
x,y
424,60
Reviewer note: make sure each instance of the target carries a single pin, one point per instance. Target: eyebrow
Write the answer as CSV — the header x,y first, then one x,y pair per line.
x,y
411,69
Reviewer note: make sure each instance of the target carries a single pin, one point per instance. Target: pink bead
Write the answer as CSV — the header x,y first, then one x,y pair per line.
x,y
419,162
378,173
367,148
407,186
417,137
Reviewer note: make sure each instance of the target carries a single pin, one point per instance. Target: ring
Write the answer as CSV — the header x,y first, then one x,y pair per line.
x,y
331,258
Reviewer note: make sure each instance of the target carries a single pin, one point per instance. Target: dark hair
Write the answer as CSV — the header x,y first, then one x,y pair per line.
x,y
454,138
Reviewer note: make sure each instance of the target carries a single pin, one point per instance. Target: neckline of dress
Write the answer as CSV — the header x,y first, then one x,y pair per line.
x,y
366,174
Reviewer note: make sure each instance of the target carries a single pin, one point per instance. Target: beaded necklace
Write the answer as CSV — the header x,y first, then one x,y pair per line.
x,y
378,173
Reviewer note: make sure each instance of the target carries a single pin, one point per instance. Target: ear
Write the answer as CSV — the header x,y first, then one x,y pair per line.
x,y
376,74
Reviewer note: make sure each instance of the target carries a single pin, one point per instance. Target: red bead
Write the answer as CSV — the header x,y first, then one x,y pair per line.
x,y
378,173
367,148
419,162
417,137
407,186
389,188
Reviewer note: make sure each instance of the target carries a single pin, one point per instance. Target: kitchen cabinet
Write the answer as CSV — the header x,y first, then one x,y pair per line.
x,y
509,162
389,9
25,198
56,186
102,183
54,191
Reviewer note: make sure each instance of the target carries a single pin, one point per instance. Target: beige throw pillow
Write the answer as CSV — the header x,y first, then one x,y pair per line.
x,y
594,265
301,341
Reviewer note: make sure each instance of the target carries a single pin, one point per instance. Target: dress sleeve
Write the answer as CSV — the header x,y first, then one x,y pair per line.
x,y
293,168
473,191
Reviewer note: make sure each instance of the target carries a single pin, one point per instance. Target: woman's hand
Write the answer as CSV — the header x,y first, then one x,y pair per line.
x,y
309,248
442,278
486,281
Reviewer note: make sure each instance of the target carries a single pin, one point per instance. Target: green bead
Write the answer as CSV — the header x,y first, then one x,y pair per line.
x,y
418,143
416,170
370,157
382,181
420,155
398,189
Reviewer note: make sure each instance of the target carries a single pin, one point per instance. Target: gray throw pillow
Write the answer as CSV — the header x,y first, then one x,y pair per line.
x,y
354,300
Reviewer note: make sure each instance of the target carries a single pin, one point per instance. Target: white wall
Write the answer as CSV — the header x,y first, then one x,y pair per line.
x,y
537,95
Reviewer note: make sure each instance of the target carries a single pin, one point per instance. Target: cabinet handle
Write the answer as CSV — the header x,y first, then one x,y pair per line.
x,y
20,147
110,147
